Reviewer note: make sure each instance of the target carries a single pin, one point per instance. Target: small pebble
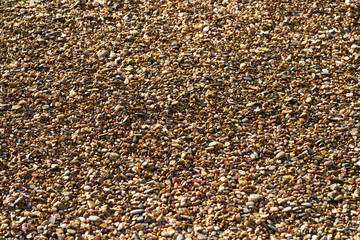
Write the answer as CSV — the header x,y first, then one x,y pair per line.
x,y
325,72
71,231
102,53
306,204
137,211
94,218
269,186
180,237
354,131
254,197
280,155
287,209
328,163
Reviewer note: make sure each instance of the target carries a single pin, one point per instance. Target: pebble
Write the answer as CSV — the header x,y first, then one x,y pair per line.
x,y
118,108
91,204
202,237
3,106
137,211
272,227
113,155
139,226
354,132
52,219
254,197
345,164
325,72
180,237
140,219
269,186
328,163
287,209
213,144
16,107
168,233
102,53
280,155
94,218
71,231
306,204
274,209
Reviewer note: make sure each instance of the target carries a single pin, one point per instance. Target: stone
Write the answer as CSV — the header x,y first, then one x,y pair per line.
x,y
254,156
280,155
328,163
272,227
59,205
94,218
213,144
180,237
71,231
16,107
354,132
254,197
52,219
168,233
91,204
287,209
325,72
274,209
345,164
102,53
238,217
202,236
118,108
224,179
3,106
269,186
137,211
113,155
139,226
306,204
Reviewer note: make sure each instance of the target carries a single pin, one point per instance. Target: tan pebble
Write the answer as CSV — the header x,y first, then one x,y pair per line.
x,y
94,218
118,108
280,155
254,197
16,107
354,132
91,204
328,163
139,226
113,155
213,144
274,209
71,231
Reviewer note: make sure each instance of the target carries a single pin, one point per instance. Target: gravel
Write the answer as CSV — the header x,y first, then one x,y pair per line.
x,y
179,119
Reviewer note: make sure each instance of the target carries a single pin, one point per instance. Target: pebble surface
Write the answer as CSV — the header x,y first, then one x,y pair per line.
x,y
179,119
